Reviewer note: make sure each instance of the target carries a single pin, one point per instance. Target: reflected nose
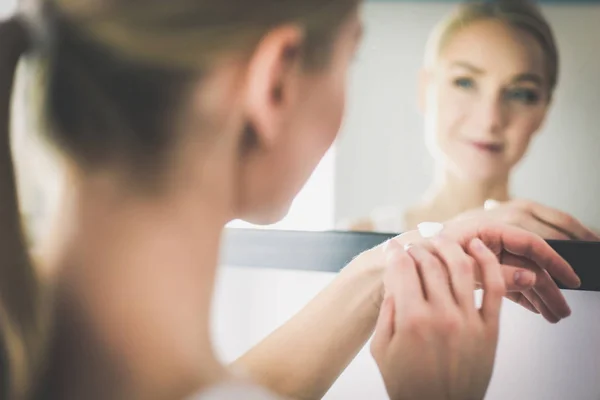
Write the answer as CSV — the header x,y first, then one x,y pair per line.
x,y
491,115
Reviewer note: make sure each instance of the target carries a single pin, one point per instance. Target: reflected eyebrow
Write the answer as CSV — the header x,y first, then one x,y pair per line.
x,y
520,78
466,65
529,77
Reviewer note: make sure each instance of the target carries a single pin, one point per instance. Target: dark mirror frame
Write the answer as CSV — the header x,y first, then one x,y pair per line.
x,y
330,251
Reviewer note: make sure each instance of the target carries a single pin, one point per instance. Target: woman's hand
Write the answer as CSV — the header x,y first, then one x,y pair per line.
x,y
431,341
544,221
528,262
519,248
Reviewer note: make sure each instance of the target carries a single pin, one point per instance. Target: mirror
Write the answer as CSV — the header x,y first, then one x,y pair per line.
x,y
417,147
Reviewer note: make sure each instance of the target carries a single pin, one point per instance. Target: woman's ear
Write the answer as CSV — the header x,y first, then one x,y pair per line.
x,y
272,83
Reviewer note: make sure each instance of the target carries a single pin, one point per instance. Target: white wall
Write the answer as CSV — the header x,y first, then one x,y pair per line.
x,y
381,157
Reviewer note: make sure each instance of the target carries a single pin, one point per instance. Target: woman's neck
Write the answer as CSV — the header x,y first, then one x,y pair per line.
x,y
450,195
135,286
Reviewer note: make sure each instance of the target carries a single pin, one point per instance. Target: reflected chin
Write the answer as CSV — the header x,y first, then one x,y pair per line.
x,y
481,172
472,165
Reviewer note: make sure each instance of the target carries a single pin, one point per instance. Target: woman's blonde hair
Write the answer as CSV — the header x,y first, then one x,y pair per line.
x,y
110,77
520,14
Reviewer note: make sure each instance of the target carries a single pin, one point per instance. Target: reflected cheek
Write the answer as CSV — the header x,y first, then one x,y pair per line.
x,y
519,137
517,146
451,124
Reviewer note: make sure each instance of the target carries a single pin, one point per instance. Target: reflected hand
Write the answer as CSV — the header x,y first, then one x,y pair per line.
x,y
431,341
542,220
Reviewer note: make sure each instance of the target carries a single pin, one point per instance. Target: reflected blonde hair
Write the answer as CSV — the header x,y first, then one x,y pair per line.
x,y
521,14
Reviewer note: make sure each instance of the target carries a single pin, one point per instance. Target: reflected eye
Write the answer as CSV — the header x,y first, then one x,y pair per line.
x,y
526,96
464,83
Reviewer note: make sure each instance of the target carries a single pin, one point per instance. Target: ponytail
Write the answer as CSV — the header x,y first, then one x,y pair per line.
x,y
22,320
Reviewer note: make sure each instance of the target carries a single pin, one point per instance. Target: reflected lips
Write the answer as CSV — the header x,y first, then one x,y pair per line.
x,y
488,147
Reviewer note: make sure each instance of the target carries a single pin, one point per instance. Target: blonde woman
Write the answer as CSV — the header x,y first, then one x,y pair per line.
x,y
490,72
173,119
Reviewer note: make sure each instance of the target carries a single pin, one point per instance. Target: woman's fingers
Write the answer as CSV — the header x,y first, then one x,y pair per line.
x,y
461,270
537,301
542,228
517,241
551,295
519,272
402,281
521,300
493,284
548,222
517,279
561,221
551,298
384,329
433,276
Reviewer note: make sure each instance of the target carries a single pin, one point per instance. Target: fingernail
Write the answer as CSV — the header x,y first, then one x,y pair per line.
x,y
478,244
393,255
390,246
408,246
576,283
524,278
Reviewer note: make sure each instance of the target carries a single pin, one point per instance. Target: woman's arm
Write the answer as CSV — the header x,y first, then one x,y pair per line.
x,y
304,357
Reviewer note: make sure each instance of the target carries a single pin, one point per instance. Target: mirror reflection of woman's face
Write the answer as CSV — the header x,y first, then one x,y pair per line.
x,y
484,99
